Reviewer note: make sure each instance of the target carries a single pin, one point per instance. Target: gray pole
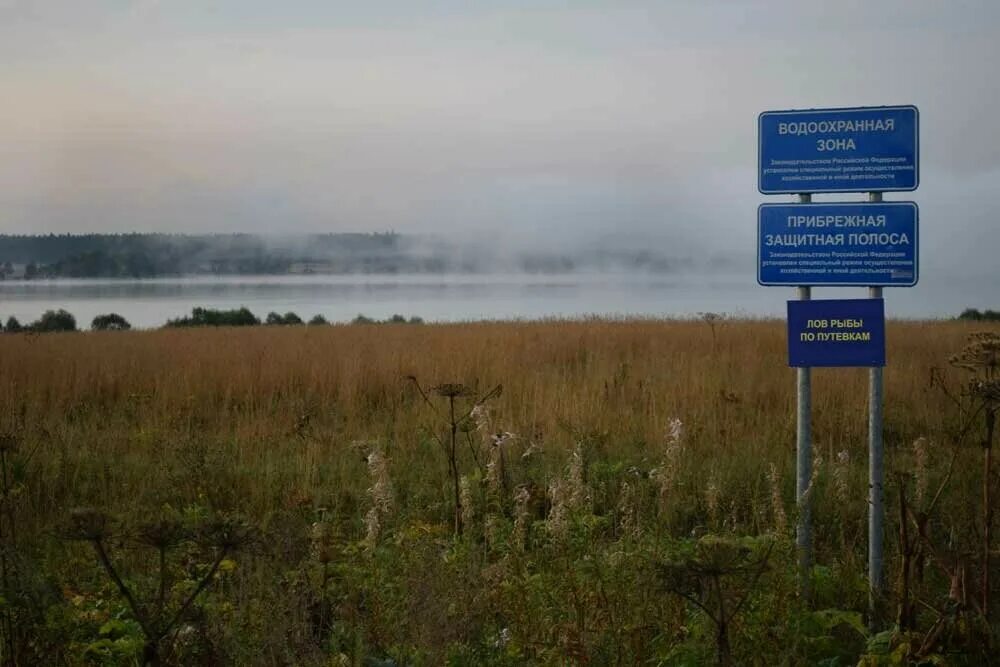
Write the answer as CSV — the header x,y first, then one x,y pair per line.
x,y
803,450
876,507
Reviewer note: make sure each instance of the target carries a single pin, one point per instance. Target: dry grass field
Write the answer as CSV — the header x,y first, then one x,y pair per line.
x,y
277,425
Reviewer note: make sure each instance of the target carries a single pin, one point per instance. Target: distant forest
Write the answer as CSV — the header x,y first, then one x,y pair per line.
x,y
150,255
154,255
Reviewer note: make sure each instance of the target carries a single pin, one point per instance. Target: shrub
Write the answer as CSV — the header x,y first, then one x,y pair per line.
x,y
361,319
110,322
207,317
54,320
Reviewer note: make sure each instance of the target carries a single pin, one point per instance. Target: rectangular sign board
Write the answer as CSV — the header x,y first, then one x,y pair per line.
x,y
865,149
836,332
845,244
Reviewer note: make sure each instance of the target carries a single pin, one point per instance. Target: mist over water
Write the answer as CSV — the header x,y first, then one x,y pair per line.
x,y
450,297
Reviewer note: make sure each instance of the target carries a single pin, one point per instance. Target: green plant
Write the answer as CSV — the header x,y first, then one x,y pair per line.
x,y
157,618
718,575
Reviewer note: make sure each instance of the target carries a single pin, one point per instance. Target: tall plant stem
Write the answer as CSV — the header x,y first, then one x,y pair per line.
x,y
5,535
987,509
453,463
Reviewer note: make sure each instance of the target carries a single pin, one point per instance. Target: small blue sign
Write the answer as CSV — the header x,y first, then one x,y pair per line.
x,y
836,332
857,244
865,149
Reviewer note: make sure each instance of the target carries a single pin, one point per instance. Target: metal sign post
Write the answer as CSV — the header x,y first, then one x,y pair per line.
x,y
876,509
803,456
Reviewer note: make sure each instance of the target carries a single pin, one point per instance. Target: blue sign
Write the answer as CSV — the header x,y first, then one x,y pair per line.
x,y
866,149
836,332
862,244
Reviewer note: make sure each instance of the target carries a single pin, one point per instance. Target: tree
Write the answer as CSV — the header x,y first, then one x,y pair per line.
x,y
31,271
54,320
318,319
110,322
13,325
288,318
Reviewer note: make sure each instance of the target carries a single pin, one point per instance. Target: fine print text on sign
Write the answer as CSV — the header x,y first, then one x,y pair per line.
x,y
863,244
836,332
866,149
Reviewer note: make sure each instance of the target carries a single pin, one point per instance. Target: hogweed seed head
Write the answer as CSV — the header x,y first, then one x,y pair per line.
x,y
89,525
452,390
162,534
8,442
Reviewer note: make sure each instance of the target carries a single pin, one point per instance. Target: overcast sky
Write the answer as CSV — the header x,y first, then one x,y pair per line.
x,y
539,121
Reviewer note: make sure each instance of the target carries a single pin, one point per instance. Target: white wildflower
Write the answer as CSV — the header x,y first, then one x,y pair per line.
x,y
468,505
777,504
521,517
841,477
712,497
381,495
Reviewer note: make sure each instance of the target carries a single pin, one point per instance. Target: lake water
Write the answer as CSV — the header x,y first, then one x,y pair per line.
x,y
149,303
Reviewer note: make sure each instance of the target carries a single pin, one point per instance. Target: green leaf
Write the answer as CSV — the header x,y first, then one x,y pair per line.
x,y
832,618
113,629
880,643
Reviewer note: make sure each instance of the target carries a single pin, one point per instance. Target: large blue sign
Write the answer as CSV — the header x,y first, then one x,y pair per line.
x,y
836,332
858,244
866,149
